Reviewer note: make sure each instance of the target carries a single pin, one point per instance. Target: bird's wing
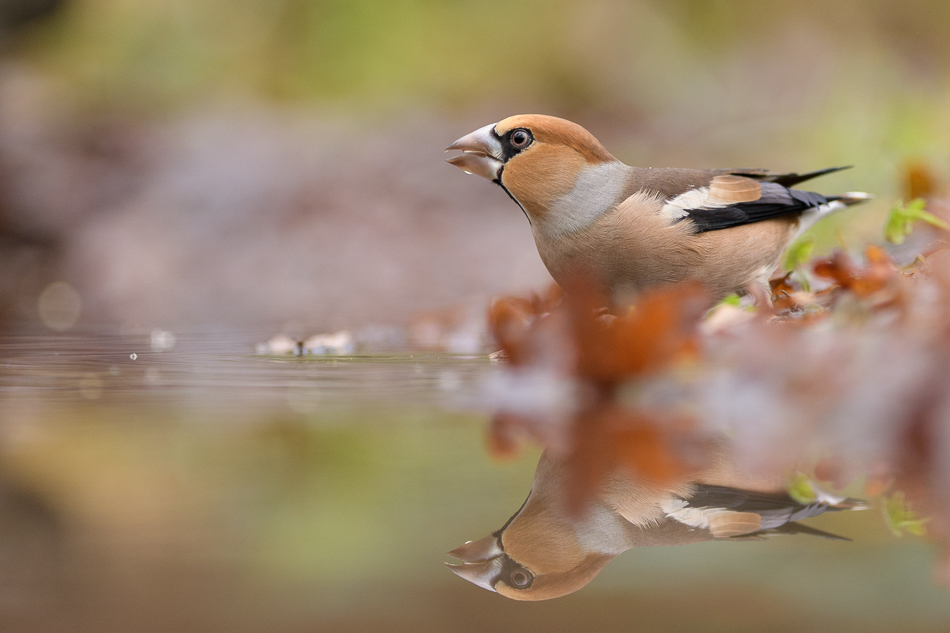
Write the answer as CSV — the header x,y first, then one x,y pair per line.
x,y
788,179
724,198
731,200
732,512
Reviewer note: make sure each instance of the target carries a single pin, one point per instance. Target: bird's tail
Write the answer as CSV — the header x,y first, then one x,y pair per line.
x,y
792,179
852,198
850,504
799,528
834,502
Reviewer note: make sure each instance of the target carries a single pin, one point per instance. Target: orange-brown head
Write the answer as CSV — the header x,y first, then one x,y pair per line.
x,y
539,160
540,554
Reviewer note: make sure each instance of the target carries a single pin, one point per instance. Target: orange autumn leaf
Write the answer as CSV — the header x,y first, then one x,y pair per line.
x,y
511,318
919,180
502,436
646,452
612,441
657,332
600,351
878,273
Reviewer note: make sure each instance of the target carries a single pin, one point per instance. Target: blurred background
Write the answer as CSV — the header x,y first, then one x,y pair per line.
x,y
249,164
213,172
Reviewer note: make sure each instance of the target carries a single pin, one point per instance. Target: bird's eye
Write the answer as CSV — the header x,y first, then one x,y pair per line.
x,y
520,139
520,579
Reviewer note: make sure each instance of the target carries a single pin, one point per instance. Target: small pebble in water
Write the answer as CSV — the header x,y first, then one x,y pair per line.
x,y
280,344
133,355
330,344
334,344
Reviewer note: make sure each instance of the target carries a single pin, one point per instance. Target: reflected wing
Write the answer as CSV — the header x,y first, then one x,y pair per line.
x,y
732,512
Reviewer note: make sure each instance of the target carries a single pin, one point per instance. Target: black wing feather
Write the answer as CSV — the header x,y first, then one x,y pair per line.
x,y
776,201
786,180
777,509
711,496
795,528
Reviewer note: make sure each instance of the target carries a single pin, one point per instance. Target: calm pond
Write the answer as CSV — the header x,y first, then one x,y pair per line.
x,y
151,483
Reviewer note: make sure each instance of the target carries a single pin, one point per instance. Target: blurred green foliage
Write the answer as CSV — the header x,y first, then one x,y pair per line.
x,y
730,300
902,217
802,489
901,518
799,253
567,51
701,83
302,49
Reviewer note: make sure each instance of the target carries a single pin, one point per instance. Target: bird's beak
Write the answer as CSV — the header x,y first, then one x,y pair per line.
x,y
481,574
481,153
478,551
481,561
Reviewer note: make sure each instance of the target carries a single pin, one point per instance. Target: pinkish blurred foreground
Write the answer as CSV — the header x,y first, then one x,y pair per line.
x,y
846,382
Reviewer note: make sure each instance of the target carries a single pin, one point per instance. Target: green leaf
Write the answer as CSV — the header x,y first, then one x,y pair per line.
x,y
900,518
803,280
799,253
730,300
802,490
901,218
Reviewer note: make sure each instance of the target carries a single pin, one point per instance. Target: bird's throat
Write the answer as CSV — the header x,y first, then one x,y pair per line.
x,y
597,190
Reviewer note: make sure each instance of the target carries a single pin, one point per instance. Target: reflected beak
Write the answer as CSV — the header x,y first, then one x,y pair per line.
x,y
481,561
481,574
478,551
481,153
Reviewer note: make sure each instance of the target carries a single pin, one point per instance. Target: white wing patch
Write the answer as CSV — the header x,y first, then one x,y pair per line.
x,y
721,522
694,517
678,207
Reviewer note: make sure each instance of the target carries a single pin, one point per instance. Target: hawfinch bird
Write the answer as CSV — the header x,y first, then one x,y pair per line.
x,y
544,551
632,228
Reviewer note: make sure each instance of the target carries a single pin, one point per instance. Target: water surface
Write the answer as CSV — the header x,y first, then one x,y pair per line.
x,y
199,486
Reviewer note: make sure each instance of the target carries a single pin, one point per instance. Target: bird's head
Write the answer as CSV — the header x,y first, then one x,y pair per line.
x,y
539,554
537,159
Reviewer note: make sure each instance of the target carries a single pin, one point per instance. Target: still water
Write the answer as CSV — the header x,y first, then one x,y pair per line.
x,y
186,483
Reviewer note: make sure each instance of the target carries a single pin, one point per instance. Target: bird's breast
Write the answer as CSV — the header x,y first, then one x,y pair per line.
x,y
629,247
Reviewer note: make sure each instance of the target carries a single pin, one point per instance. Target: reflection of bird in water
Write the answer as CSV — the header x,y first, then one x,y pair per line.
x,y
545,551
634,228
